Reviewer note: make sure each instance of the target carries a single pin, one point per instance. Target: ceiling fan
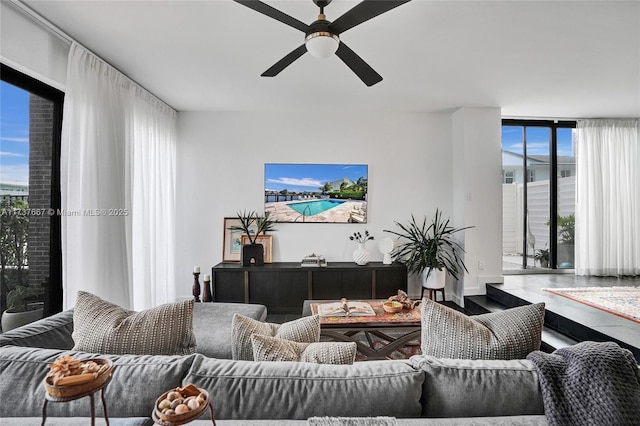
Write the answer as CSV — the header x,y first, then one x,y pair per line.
x,y
322,36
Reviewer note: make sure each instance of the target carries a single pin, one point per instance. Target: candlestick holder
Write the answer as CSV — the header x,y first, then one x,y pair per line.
x,y
206,293
195,290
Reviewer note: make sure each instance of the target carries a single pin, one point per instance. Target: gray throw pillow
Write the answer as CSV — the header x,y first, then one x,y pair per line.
x,y
267,348
103,327
303,330
509,334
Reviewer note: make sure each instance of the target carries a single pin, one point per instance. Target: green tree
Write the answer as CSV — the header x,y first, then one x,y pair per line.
x,y
14,232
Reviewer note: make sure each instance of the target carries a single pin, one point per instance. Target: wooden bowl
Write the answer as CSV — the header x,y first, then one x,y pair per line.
x,y
81,388
392,307
184,417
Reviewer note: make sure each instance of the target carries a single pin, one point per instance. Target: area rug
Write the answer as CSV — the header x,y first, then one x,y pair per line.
x,y
621,301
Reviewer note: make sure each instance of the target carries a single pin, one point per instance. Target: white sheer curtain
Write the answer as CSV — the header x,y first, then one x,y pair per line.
x,y
607,198
117,187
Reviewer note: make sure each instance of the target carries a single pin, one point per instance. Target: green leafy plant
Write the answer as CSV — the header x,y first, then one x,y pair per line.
x,y
18,296
429,246
253,224
566,229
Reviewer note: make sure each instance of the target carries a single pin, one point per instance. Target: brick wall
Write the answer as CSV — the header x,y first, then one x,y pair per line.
x,y
40,149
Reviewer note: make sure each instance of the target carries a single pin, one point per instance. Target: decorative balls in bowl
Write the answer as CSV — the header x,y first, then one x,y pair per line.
x,y
392,306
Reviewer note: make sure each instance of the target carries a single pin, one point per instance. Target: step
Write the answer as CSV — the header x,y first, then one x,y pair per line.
x,y
551,339
568,329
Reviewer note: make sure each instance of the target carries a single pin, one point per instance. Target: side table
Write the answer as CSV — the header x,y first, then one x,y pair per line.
x,y
90,394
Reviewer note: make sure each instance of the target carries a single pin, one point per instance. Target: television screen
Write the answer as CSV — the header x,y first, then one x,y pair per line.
x,y
326,193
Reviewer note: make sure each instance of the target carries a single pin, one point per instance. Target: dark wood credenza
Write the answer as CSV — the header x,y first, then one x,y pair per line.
x,y
283,286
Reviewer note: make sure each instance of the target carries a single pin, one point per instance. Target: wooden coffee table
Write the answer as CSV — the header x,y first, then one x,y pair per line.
x,y
393,330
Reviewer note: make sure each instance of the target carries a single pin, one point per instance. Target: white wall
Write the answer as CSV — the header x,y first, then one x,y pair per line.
x,y
220,170
477,199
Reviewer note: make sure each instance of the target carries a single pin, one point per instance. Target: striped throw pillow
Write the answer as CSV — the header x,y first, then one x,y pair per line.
x,y
303,330
509,334
267,348
106,328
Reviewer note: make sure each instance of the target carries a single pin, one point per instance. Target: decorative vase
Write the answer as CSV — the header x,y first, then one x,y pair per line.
x,y
251,252
361,256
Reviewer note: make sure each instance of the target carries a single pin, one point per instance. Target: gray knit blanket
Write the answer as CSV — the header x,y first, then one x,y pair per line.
x,y
590,383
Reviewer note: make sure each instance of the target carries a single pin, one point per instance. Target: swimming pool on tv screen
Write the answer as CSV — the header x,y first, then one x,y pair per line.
x,y
311,208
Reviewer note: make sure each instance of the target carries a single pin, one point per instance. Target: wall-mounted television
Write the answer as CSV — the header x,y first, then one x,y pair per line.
x,y
317,193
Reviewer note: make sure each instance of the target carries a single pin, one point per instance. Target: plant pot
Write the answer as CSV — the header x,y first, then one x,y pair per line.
x,y
361,256
565,255
436,280
12,319
252,252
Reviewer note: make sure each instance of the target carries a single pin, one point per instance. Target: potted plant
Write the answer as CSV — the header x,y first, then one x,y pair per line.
x,y
566,240
19,311
430,250
542,256
253,225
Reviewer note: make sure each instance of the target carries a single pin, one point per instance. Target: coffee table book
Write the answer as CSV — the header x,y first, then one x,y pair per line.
x,y
346,308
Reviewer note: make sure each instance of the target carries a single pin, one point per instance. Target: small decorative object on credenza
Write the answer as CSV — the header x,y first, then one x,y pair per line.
x,y
195,289
206,293
361,256
253,226
386,246
313,260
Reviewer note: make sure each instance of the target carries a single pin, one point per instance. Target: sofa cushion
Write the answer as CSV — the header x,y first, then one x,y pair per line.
x,y
104,327
303,330
212,325
266,348
136,382
299,390
509,334
478,388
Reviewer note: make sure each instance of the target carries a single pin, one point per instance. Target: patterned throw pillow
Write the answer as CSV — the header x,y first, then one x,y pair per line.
x,y
267,348
509,334
303,330
103,327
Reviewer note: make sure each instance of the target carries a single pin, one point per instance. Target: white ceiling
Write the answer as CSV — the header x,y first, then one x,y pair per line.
x,y
565,59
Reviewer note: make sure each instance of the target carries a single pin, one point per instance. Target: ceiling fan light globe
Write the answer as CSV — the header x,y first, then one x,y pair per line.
x,y
322,44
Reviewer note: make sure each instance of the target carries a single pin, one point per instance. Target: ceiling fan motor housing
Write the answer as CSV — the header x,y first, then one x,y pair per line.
x,y
319,40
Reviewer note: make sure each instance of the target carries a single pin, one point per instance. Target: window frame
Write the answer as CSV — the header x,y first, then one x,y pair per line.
x,y
53,291
553,125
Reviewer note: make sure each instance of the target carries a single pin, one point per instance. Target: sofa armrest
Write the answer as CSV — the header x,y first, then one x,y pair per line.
x,y
53,332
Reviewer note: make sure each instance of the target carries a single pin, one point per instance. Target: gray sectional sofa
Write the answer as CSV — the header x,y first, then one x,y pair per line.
x,y
420,391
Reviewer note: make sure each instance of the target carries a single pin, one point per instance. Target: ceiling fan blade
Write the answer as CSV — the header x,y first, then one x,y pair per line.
x,y
362,12
285,62
271,12
358,65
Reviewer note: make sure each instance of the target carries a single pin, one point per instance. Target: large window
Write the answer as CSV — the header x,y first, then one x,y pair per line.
x,y
538,211
30,235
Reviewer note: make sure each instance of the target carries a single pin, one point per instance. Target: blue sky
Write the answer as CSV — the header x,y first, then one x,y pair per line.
x,y
308,177
14,134
538,140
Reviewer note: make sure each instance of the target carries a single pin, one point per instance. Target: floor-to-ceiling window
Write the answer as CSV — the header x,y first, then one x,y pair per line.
x,y
30,126
538,194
